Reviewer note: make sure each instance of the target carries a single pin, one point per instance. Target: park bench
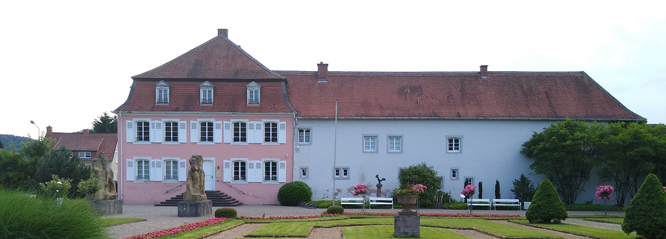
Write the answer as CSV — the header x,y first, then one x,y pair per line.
x,y
352,201
479,202
506,203
380,201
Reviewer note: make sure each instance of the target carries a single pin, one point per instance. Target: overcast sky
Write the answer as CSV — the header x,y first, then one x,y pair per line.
x,y
64,63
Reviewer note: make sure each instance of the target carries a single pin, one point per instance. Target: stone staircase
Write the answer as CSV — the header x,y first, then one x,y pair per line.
x,y
219,200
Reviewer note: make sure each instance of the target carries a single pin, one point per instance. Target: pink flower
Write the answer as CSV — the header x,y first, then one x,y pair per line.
x,y
604,192
360,189
468,191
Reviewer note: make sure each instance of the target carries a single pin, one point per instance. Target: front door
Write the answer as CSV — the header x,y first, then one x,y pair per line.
x,y
209,170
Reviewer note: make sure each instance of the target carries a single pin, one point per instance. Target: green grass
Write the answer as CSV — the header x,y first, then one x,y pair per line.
x,y
302,229
582,230
606,220
596,216
205,231
386,231
107,222
487,226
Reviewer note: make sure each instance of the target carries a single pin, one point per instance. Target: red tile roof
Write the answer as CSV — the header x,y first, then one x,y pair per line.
x,y
96,143
218,58
228,96
521,95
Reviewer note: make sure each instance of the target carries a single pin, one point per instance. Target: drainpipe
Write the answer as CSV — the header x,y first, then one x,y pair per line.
x,y
335,147
121,140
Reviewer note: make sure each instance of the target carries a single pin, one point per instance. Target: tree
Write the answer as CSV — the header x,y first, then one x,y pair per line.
x,y
629,152
546,205
480,190
565,152
61,162
14,169
659,160
105,124
523,188
421,174
646,214
498,194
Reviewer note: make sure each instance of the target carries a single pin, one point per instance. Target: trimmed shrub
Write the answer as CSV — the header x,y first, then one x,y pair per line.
x,y
335,209
646,214
498,195
523,188
546,205
480,190
290,194
226,212
422,174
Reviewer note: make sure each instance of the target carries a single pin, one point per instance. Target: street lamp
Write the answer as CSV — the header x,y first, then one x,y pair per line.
x,y
33,122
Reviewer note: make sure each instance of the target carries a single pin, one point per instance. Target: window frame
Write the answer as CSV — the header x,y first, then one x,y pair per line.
x,y
211,131
469,178
86,154
203,88
376,143
342,170
146,132
159,87
165,165
174,139
253,89
145,171
264,162
388,143
460,144
309,135
276,132
233,132
233,171
457,174
300,172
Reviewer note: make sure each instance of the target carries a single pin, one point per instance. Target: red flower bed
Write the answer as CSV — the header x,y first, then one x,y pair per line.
x,y
289,217
436,215
176,230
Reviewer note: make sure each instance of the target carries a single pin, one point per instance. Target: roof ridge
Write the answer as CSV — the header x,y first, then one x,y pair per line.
x,y
434,72
611,96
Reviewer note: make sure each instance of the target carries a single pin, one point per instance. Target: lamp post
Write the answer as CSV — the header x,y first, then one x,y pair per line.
x,y
38,131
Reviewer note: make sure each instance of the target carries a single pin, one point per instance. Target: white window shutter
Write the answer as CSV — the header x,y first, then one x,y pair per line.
x,y
156,130
282,172
217,132
226,174
156,170
259,132
282,133
228,133
250,133
194,131
259,171
251,174
129,173
182,169
182,132
129,131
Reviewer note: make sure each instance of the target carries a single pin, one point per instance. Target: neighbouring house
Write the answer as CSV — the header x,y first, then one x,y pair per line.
x,y
259,128
88,146
216,101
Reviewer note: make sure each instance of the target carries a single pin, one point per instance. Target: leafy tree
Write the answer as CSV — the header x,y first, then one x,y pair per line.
x,y
546,205
629,152
565,152
480,190
58,162
523,188
422,174
36,149
14,169
105,124
659,160
498,194
646,214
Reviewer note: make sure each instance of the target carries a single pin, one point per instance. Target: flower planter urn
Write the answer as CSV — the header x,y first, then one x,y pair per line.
x,y
407,200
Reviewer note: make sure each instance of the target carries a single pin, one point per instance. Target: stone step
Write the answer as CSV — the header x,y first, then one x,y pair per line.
x,y
219,199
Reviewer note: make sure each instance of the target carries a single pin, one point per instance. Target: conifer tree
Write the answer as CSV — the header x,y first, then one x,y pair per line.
x,y
646,214
546,205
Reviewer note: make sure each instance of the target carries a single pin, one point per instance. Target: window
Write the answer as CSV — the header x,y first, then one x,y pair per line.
x,y
454,174
143,170
206,92
395,144
304,172
240,132
304,136
270,171
341,173
240,171
162,92
143,131
454,145
253,93
171,170
270,132
84,155
469,181
206,132
369,143
171,131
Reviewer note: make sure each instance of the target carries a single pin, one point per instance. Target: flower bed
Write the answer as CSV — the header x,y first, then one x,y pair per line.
x,y
288,217
434,214
176,230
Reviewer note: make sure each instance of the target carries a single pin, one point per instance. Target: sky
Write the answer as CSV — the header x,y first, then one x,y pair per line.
x,y
64,63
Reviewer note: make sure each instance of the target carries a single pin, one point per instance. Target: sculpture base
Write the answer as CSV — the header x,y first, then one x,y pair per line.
x,y
107,207
195,208
407,226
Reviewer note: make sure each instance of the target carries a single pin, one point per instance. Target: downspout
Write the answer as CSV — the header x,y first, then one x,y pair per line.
x,y
121,140
335,147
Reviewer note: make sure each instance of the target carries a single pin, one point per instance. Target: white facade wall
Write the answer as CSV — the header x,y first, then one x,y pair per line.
x,y
490,151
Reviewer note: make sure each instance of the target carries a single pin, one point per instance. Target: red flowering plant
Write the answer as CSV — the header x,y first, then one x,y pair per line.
x,y
468,191
360,189
413,189
604,192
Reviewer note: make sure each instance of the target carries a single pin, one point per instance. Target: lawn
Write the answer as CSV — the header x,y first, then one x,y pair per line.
x,y
386,231
607,220
107,222
581,230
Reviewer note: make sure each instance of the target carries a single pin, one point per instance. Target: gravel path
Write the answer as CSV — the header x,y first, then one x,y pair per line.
x,y
562,234
473,234
604,225
237,232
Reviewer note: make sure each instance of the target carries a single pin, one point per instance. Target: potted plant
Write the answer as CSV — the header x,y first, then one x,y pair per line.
x,y
407,197
361,189
604,192
468,192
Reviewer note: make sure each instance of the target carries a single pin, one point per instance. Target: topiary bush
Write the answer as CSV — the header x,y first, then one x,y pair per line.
x,y
290,194
335,209
646,214
546,205
226,212
422,174
498,194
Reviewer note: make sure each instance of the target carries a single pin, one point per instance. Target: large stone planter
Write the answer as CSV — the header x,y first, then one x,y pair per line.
x,y
407,200
407,226
195,208
107,207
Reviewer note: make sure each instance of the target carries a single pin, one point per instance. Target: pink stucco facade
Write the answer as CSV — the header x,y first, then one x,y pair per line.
x,y
253,188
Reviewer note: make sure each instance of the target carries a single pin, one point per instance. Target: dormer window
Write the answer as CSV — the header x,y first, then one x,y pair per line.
x,y
253,93
206,93
162,92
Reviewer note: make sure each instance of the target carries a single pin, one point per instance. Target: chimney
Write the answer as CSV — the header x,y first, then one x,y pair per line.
x,y
322,72
49,130
86,131
484,71
224,32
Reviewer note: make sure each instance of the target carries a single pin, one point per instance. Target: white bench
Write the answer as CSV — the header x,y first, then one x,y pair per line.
x,y
479,202
506,203
380,201
352,201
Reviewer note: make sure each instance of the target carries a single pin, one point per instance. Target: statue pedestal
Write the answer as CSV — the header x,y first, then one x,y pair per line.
x,y
195,208
107,207
407,226
379,190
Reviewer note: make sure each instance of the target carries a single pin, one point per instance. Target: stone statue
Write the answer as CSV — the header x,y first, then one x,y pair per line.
x,y
379,181
101,169
195,190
